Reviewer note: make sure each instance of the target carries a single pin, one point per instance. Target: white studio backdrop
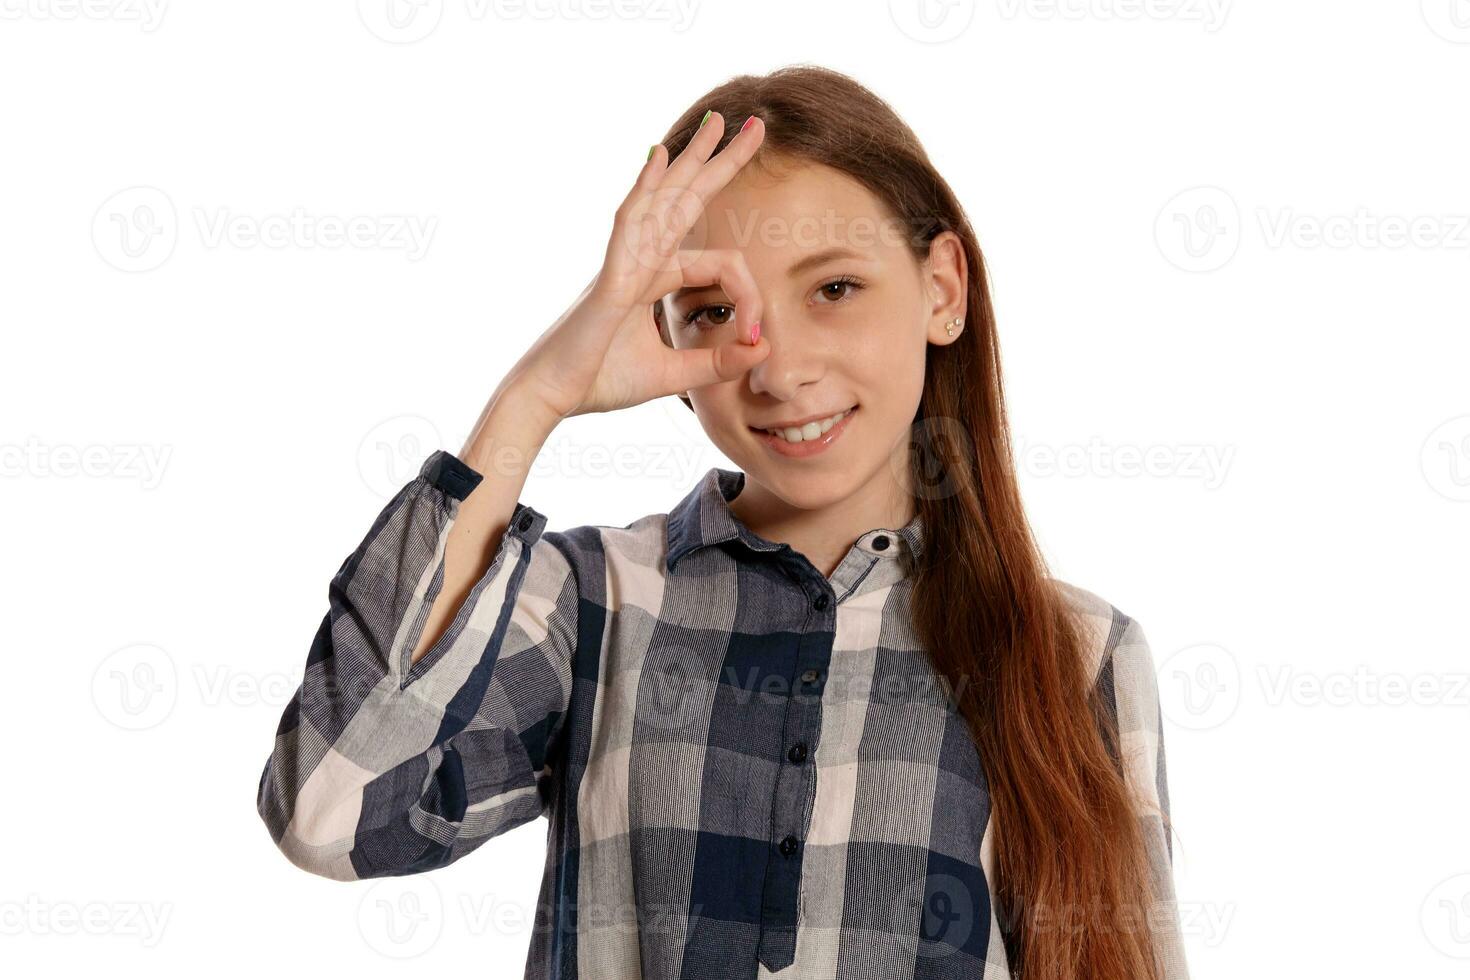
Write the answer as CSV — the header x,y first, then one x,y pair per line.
x,y
257,260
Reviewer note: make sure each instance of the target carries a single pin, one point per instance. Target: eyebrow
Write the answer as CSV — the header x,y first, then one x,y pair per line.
x,y
797,268
822,258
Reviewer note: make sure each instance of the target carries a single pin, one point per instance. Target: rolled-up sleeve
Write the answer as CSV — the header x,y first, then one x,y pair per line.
x,y
385,767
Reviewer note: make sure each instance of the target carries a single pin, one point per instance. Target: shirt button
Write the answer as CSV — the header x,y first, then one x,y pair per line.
x,y
880,543
810,676
797,753
788,846
525,522
821,601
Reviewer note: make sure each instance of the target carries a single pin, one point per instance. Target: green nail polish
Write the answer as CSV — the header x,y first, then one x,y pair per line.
x,y
706,117
650,153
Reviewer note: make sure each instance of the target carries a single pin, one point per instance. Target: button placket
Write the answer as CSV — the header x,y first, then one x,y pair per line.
x,y
790,816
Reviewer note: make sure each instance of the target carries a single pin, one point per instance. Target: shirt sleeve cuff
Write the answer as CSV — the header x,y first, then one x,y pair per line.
x,y
450,474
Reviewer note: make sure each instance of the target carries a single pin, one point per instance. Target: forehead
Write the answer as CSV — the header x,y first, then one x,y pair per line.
x,y
793,207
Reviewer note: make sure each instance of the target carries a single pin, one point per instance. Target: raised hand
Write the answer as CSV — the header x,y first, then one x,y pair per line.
x,y
605,353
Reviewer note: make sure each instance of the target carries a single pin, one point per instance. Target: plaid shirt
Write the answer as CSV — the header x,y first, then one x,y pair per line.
x,y
753,763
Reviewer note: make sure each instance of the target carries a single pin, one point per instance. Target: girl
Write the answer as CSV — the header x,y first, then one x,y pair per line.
x,y
826,717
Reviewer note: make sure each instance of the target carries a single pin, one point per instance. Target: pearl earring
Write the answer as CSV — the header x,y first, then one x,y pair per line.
x,y
950,326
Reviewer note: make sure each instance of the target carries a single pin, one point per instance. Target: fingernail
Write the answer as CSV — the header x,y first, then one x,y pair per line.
x,y
650,152
702,121
748,121
755,332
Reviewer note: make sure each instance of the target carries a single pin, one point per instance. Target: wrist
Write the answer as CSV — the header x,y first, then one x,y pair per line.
x,y
511,431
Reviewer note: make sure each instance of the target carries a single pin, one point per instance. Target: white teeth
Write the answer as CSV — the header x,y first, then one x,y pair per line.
x,y
811,430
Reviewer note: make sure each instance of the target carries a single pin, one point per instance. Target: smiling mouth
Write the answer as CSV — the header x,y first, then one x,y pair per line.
x,y
810,432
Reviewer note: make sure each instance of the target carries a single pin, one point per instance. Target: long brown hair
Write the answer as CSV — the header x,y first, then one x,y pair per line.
x,y
1066,831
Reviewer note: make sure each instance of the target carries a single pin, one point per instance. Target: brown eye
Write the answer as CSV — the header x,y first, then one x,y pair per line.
x,y
839,289
694,315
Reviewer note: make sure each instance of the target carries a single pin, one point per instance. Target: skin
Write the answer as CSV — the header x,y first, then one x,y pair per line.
x,y
833,345
605,352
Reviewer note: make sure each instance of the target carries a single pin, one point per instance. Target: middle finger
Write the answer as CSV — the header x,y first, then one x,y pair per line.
x,y
679,198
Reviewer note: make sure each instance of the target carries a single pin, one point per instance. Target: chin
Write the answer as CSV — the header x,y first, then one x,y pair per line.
x,y
805,489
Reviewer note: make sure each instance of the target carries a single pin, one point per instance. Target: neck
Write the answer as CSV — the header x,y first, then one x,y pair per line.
x,y
826,534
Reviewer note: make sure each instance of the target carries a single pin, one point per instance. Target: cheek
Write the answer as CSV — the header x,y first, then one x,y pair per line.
x,y
718,405
887,355
890,379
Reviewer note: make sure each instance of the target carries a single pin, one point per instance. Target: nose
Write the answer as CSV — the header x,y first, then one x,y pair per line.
x,y
791,362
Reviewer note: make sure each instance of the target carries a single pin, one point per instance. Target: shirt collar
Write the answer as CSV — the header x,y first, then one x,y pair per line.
x,y
703,518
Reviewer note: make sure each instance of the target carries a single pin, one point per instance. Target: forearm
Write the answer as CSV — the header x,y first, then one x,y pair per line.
x,y
510,432
371,773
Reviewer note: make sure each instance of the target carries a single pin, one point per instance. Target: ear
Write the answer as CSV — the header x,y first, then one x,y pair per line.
x,y
946,283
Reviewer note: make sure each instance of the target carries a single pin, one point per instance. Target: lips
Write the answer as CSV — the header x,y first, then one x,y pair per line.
x,y
823,433
809,431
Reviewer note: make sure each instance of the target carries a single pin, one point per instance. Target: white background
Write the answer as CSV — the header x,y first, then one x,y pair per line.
x,y
1227,239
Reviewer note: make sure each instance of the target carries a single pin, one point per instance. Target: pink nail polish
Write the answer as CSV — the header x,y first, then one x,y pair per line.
x,y
748,121
755,332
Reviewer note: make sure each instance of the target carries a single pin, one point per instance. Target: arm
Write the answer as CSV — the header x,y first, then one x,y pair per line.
x,y
1132,675
387,764
437,682
510,432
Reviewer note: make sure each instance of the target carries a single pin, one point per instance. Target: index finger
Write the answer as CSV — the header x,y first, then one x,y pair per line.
x,y
692,174
717,171
726,268
659,210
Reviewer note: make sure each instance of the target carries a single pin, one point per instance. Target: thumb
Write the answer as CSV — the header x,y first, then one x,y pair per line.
x,y
698,367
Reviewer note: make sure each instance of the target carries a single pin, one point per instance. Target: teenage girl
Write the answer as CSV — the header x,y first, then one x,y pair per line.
x,y
828,715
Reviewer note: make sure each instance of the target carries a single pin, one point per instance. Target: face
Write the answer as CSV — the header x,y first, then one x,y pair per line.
x,y
848,311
